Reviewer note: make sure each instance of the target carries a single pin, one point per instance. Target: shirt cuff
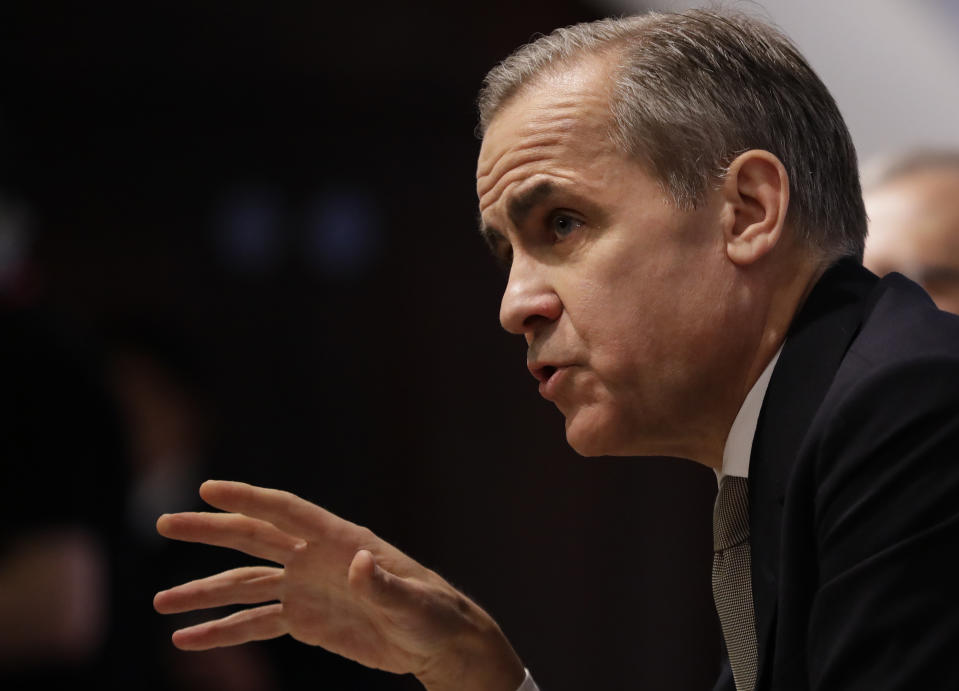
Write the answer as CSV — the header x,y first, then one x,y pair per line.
x,y
528,683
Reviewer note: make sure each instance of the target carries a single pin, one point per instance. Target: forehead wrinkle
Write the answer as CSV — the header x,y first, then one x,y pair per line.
x,y
519,171
534,149
530,136
515,163
553,129
545,125
520,179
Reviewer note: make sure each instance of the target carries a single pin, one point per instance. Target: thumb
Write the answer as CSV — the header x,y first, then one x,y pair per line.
x,y
374,583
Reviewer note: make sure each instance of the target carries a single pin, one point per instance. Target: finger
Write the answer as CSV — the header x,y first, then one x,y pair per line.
x,y
250,535
283,509
257,624
379,586
245,586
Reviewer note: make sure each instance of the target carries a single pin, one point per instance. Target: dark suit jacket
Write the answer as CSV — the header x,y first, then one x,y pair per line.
x,y
854,491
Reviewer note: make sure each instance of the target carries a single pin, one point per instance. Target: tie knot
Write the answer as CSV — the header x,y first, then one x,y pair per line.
x,y
731,513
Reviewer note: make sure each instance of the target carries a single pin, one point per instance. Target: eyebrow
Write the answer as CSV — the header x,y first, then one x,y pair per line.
x,y
518,209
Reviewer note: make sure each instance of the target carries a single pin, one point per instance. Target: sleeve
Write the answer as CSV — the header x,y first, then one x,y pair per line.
x,y
528,683
885,613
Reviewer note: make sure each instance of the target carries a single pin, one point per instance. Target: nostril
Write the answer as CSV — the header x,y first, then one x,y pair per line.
x,y
535,321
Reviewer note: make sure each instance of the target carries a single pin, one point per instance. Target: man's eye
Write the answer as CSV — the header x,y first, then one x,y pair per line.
x,y
504,257
562,225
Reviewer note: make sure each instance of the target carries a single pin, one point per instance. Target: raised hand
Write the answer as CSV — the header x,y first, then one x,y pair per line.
x,y
338,586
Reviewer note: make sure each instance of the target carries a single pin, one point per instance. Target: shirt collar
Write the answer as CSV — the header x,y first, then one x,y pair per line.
x,y
739,443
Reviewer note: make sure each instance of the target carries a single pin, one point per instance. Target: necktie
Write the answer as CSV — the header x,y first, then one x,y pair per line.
x,y
732,587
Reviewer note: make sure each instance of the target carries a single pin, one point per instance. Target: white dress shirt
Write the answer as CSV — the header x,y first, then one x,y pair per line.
x,y
739,441
528,684
736,452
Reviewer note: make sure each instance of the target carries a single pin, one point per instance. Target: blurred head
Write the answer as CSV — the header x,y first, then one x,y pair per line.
x,y
913,206
636,176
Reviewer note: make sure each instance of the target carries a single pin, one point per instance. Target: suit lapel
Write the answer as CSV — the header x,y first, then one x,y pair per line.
x,y
816,343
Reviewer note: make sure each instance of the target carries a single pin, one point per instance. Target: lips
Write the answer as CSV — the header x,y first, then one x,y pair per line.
x,y
548,375
543,372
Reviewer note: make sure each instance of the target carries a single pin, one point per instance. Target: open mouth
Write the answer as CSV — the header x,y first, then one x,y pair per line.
x,y
547,371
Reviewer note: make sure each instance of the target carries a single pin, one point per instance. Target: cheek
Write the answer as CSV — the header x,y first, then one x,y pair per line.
x,y
609,310
624,365
616,325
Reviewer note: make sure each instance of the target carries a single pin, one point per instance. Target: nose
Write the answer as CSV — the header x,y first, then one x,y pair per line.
x,y
529,301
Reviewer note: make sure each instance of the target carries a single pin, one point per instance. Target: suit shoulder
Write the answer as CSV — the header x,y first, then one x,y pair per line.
x,y
900,325
886,439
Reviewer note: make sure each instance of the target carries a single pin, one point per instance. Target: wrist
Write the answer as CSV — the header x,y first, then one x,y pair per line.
x,y
482,659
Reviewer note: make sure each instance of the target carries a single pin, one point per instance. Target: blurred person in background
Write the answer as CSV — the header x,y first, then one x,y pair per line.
x,y
161,383
99,428
912,202
63,469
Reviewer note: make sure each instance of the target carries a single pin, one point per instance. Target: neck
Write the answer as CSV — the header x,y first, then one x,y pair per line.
x,y
775,294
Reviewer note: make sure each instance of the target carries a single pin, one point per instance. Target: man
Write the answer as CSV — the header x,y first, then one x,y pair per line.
x,y
677,199
913,206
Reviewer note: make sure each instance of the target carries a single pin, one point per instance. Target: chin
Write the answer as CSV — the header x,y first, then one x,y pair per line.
x,y
591,434
585,450
590,437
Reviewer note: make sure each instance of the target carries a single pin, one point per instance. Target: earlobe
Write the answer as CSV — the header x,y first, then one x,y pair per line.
x,y
756,192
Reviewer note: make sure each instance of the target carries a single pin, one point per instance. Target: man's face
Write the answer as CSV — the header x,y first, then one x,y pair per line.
x,y
621,297
914,229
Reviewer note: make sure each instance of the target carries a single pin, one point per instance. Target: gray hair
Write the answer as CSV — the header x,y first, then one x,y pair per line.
x,y
691,91
882,170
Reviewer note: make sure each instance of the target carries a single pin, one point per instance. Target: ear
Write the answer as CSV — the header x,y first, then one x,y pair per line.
x,y
756,195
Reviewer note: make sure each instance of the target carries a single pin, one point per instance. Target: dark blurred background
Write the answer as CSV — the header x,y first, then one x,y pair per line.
x,y
237,240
